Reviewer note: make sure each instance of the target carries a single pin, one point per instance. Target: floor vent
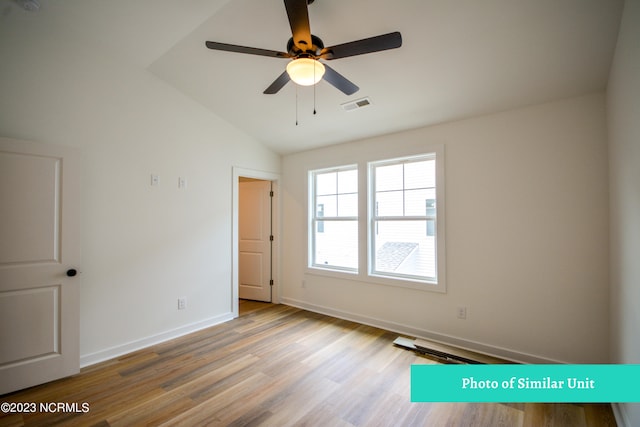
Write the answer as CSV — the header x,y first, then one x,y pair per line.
x,y
354,105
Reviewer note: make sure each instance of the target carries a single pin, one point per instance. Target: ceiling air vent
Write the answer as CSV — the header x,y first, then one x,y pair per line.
x,y
354,105
29,5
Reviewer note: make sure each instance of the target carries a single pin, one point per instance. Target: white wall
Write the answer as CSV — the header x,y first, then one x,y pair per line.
x,y
143,246
623,105
526,227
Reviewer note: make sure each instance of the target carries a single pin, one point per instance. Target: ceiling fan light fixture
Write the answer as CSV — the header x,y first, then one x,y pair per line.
x,y
305,71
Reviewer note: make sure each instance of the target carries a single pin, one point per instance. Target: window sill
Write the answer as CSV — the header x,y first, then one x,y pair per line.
x,y
377,280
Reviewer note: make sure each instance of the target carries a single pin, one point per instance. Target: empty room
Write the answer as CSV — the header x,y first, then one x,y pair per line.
x,y
267,212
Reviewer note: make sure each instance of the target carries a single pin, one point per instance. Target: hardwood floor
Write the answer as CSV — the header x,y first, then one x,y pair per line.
x,y
274,366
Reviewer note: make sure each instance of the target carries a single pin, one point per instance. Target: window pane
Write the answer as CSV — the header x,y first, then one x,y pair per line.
x,y
326,183
420,174
348,205
336,245
326,206
389,177
334,240
348,181
417,202
389,203
405,248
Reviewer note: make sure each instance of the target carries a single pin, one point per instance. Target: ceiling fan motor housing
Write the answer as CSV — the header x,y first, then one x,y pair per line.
x,y
314,50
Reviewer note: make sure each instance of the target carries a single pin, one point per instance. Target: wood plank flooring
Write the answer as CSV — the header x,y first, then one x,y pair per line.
x,y
274,366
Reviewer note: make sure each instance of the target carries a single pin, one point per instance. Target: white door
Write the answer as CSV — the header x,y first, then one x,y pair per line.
x,y
254,240
39,252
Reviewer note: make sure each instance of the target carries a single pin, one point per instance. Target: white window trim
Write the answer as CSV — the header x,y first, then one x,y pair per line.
x,y
363,274
390,279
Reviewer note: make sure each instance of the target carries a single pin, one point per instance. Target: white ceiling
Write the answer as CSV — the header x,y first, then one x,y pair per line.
x,y
459,58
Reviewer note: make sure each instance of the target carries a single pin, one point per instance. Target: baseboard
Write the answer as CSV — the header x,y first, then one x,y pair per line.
x,y
489,350
620,415
119,350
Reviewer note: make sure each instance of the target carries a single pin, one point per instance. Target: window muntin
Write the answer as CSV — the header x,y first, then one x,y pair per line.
x,y
403,219
334,219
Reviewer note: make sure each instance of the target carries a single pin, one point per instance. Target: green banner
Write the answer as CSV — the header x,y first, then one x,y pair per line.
x,y
525,383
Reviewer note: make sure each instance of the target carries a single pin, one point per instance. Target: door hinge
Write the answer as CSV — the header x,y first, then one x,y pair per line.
x,y
271,282
271,193
271,237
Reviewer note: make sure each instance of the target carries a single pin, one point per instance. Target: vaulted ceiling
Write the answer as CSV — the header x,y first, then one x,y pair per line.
x,y
459,58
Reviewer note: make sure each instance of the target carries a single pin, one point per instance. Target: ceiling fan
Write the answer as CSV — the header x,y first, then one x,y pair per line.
x,y
305,50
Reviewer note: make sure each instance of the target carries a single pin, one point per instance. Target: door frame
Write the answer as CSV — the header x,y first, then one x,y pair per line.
x,y
238,172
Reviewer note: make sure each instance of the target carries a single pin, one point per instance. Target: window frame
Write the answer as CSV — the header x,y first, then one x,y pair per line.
x,y
313,219
365,273
373,219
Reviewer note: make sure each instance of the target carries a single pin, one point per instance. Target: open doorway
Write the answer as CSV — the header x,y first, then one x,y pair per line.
x,y
255,240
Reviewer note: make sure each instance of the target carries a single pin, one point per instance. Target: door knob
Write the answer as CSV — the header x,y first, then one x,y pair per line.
x,y
72,272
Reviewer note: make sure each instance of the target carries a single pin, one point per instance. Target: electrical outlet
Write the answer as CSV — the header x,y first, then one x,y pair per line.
x,y
461,312
182,303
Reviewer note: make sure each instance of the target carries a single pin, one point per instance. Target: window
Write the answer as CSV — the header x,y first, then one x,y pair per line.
x,y
396,238
334,219
403,219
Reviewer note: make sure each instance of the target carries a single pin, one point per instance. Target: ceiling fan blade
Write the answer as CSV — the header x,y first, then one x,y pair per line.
x,y
278,84
360,47
339,81
298,14
244,49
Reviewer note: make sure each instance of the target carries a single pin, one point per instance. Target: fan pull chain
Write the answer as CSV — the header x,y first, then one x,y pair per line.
x,y
314,100
314,91
296,105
